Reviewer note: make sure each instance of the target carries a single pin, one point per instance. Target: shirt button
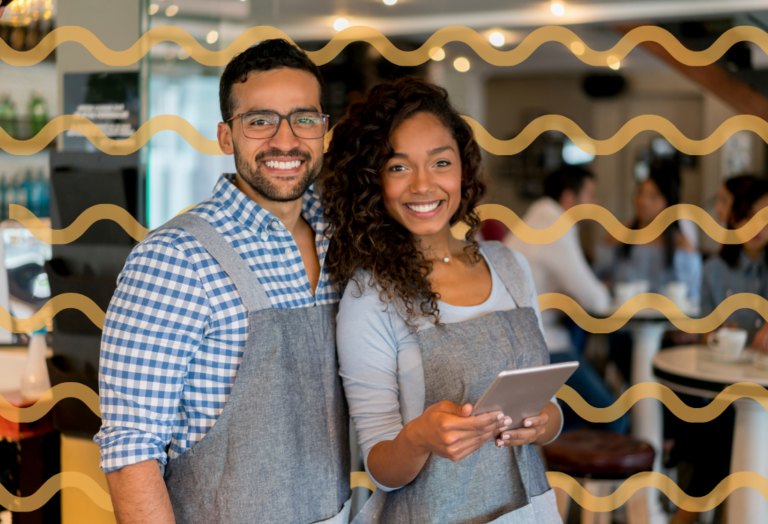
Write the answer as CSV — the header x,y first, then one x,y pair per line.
x,y
288,251
277,226
264,235
758,323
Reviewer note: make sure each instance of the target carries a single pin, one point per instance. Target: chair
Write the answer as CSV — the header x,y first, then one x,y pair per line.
x,y
600,460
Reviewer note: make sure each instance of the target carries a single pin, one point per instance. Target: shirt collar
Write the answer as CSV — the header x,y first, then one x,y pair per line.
x,y
748,265
255,217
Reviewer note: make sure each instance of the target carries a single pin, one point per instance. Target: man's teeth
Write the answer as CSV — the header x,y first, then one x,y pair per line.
x,y
423,208
273,164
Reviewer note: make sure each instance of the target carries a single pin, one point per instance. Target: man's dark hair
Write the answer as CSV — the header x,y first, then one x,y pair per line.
x,y
264,56
566,178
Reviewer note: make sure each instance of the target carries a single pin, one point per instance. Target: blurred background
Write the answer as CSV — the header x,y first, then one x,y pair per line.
x,y
168,174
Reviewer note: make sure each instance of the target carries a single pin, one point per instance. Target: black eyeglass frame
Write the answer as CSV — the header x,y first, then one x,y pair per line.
x,y
287,118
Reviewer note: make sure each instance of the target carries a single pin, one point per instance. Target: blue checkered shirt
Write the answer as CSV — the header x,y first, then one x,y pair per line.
x,y
176,328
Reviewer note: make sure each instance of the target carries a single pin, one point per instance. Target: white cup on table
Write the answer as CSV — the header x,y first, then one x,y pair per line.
x,y
677,292
727,342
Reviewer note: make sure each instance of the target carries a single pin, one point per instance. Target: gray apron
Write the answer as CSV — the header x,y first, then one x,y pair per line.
x,y
460,361
279,451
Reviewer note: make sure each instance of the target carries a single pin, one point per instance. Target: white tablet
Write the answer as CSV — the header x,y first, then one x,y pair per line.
x,y
523,393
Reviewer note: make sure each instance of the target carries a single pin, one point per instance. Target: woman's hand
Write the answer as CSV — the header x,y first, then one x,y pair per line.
x,y
760,342
450,431
540,429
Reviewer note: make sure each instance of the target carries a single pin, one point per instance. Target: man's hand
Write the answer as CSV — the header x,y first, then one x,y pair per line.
x,y
450,431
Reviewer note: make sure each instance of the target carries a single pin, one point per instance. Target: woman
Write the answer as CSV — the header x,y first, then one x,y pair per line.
x,y
668,258
726,193
740,268
427,321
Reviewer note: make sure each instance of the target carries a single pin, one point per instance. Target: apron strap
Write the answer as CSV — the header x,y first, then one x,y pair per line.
x,y
247,284
508,268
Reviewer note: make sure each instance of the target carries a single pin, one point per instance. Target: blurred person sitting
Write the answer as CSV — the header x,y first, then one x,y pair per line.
x,y
668,258
726,193
561,267
739,268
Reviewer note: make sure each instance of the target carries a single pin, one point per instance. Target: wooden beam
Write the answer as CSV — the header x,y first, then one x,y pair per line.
x,y
713,78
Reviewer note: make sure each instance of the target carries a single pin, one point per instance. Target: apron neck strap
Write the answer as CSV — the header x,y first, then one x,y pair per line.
x,y
251,291
507,267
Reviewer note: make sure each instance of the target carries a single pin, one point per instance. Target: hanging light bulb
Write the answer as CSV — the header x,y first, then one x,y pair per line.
x,y
340,24
497,39
557,7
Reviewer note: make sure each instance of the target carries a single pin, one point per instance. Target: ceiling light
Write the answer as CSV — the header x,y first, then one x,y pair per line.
x,y
172,10
340,24
461,64
557,8
497,39
614,63
390,2
153,9
437,54
212,37
578,48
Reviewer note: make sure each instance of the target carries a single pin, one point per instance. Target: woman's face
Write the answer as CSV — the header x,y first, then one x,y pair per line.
x,y
759,241
723,204
421,183
649,201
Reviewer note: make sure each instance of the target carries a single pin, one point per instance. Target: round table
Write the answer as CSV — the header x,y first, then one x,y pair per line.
x,y
685,370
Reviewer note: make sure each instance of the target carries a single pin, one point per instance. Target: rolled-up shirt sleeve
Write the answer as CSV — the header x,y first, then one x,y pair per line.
x,y
155,322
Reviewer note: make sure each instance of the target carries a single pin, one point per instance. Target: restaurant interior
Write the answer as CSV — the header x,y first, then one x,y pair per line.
x,y
657,101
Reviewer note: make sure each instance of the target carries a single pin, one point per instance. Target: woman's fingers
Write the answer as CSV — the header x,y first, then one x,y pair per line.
x,y
519,437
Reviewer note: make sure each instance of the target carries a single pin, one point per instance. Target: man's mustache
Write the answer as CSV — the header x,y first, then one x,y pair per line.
x,y
293,153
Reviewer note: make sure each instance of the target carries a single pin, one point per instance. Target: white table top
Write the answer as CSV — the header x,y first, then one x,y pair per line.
x,y
685,366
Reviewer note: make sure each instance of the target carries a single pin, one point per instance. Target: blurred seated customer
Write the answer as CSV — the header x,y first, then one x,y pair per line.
x,y
740,268
668,258
726,193
561,267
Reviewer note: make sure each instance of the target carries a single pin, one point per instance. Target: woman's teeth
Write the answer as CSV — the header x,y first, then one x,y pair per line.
x,y
272,164
423,208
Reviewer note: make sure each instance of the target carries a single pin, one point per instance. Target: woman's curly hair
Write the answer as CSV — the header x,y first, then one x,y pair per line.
x,y
363,236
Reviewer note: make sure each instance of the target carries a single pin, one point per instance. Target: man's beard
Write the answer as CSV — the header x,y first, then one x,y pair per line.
x,y
252,174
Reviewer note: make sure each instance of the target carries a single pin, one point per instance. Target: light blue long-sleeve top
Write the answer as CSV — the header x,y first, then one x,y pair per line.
x,y
380,360
648,262
721,281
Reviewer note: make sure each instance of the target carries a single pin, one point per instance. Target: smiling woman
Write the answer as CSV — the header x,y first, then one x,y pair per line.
x,y
429,320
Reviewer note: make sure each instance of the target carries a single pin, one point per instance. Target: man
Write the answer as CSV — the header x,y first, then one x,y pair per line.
x,y
561,267
218,356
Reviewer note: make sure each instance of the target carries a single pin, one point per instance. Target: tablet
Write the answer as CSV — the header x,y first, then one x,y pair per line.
x,y
523,393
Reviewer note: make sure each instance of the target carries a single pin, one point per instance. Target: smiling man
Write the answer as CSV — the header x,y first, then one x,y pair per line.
x,y
219,388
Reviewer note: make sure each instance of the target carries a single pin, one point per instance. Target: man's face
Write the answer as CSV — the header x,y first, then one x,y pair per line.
x,y
283,167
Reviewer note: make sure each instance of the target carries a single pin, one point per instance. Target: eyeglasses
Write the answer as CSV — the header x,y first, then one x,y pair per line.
x,y
264,124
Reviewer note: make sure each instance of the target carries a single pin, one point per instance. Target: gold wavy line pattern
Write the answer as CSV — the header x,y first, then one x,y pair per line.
x,y
72,479
546,301
653,301
615,228
666,485
668,397
487,141
52,397
63,480
486,211
388,50
590,413
105,144
52,308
